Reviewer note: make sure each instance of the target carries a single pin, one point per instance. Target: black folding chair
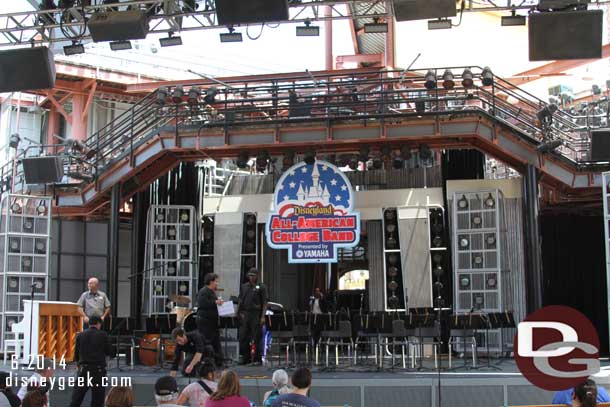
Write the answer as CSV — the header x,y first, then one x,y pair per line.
x,y
461,331
281,327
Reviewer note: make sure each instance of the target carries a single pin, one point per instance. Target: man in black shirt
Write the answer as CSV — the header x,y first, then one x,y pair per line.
x,y
194,347
252,309
90,351
207,314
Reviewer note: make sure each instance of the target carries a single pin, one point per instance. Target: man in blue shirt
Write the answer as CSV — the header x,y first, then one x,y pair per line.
x,y
565,396
301,380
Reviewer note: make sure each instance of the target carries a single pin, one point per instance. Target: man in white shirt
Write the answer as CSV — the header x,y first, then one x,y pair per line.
x,y
317,303
34,381
196,393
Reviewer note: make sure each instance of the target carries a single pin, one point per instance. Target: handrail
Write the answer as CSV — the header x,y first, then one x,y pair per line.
x,y
338,96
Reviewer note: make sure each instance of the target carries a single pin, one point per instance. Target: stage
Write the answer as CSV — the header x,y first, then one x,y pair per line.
x,y
365,386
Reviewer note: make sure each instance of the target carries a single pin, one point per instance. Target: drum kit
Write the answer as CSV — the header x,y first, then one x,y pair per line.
x,y
156,348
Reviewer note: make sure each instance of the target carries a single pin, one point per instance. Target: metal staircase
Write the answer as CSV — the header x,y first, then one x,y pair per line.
x,y
332,112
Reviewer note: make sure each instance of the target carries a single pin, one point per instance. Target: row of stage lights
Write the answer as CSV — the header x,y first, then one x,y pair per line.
x,y
487,79
353,161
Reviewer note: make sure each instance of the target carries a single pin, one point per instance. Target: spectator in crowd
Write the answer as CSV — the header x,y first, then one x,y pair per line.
x,y
35,382
301,382
119,396
280,386
196,393
565,396
34,398
166,392
227,392
7,397
585,394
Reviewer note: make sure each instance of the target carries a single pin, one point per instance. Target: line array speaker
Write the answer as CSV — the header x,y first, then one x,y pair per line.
x,y
233,12
119,26
408,10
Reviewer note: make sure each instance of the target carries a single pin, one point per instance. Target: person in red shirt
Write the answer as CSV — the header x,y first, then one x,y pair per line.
x,y
227,392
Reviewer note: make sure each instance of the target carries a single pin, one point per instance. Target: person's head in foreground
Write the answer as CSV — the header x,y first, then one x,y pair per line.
x,y
585,394
206,370
119,396
228,385
301,380
166,390
95,321
34,398
280,381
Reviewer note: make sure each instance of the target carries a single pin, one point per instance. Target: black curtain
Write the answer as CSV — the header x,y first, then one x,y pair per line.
x,y
573,267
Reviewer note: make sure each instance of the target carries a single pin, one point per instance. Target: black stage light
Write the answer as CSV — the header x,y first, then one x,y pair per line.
x,y
549,146
40,247
464,242
15,208
47,5
512,20
41,210
162,93
310,157
308,30
545,114
120,45
430,79
28,225
462,203
170,41
184,217
490,202
193,96
262,161
467,78
242,160
74,49
377,163
398,163
487,77
464,282
448,82
177,94
231,36
364,154
440,24
14,140
376,28
353,163
490,240
210,95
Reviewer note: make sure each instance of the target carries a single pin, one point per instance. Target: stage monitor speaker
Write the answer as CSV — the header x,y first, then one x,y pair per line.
x,y
565,35
600,145
42,170
408,10
233,12
118,26
26,69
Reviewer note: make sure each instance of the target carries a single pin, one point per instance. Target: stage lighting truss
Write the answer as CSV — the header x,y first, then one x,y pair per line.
x,y
477,254
170,261
394,290
25,233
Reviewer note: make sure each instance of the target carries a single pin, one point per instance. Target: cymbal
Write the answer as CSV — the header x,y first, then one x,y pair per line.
x,y
180,299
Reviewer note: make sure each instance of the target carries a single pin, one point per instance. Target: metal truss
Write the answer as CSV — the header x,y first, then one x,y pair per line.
x,y
70,25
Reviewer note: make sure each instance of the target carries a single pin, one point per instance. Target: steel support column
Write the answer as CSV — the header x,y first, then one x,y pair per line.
x,y
328,38
531,230
113,248
136,263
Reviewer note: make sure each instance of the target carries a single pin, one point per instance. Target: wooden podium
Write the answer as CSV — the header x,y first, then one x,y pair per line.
x,y
54,326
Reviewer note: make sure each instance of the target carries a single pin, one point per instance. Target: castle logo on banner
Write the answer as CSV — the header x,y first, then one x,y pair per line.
x,y
313,214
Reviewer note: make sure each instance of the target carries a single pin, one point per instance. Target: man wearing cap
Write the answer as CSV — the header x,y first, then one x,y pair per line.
x,y
166,392
90,351
252,309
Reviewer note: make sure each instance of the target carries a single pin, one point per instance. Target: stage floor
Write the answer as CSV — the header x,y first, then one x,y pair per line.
x,y
364,386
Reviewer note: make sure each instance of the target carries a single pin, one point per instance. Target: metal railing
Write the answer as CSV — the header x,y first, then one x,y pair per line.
x,y
366,96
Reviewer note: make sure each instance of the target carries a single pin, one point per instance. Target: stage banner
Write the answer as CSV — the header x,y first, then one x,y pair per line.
x,y
313,213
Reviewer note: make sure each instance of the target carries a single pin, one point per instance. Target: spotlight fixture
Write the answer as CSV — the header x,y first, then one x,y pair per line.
x,y
170,40
477,221
262,161
13,140
545,115
425,153
376,27
162,93
26,264
464,242
430,80
467,78
398,163
160,217
391,242
512,20
477,260
41,210
491,282
490,240
177,94
464,281
392,272
210,95
193,96
159,251
448,82
242,160
437,241
393,259
120,45
462,203
377,163
231,36
310,157
487,77
549,146
171,233
440,24
15,208
308,30
28,225
171,269
40,247
490,202
74,49
14,245
184,217
47,5
184,251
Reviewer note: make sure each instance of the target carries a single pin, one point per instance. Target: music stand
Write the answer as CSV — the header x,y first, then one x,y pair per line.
x,y
302,334
502,320
460,326
367,326
281,327
117,328
227,323
483,324
423,320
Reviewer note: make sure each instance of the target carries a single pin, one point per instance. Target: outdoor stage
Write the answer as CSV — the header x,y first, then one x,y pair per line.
x,y
367,387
